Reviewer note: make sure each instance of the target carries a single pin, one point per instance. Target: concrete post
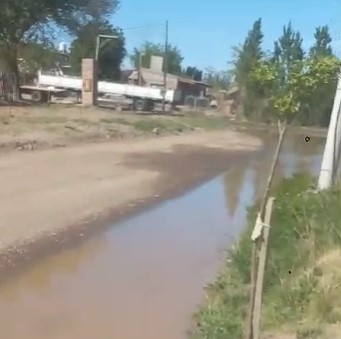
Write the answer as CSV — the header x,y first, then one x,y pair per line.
x,y
89,82
332,147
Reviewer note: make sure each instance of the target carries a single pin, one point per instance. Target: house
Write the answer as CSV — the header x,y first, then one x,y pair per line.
x,y
154,77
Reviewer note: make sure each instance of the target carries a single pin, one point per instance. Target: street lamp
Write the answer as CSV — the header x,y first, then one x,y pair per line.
x,y
98,42
98,46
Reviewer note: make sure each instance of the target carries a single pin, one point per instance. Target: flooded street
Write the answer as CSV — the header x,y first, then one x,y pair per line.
x,y
143,278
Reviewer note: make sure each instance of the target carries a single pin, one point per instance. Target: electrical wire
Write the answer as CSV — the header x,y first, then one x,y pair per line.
x,y
140,27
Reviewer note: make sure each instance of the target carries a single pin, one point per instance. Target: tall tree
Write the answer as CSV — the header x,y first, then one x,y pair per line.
x,y
144,53
26,21
288,50
318,110
323,40
246,56
111,54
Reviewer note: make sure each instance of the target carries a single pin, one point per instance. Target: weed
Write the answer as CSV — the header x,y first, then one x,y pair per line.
x,y
298,288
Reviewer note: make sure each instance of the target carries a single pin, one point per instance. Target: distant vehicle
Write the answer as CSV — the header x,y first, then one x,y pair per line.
x,y
143,98
213,103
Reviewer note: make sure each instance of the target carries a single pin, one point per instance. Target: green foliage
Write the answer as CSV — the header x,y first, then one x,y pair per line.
x,y
303,79
305,228
288,49
174,57
193,73
323,40
217,79
35,56
319,108
286,83
111,54
247,55
29,21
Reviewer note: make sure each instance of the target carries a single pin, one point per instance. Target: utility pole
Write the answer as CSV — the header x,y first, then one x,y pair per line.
x,y
165,69
331,155
139,70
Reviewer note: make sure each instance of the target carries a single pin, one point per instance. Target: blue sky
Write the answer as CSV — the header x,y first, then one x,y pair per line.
x,y
205,31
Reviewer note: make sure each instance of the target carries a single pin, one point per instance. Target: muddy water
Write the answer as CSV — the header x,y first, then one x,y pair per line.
x,y
143,279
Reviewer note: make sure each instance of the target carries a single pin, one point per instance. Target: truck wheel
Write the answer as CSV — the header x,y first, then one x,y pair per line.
x,y
139,105
36,96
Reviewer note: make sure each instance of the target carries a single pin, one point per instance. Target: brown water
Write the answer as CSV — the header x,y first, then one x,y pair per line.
x,y
143,279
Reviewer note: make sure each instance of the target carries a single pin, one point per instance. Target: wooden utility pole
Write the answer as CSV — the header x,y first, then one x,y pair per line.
x,y
140,67
165,68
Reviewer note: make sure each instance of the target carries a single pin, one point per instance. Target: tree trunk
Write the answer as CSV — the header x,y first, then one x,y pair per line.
x,y
11,60
240,108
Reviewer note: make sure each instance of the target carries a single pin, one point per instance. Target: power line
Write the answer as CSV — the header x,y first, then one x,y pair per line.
x,y
144,26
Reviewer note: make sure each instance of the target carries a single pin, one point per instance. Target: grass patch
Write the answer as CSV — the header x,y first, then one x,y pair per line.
x,y
302,290
42,119
181,124
163,125
120,121
207,122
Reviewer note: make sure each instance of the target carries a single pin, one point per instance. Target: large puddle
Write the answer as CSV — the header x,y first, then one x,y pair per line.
x,y
143,279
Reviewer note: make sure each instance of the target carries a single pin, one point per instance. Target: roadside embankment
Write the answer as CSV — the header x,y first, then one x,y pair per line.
x,y
55,126
302,290
30,128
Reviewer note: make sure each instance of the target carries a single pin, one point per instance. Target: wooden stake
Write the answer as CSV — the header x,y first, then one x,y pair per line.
x,y
249,320
249,332
261,269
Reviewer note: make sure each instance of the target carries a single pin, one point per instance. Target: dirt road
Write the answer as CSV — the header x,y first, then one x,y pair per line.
x,y
46,193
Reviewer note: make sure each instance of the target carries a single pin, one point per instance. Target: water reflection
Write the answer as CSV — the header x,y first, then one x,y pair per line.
x,y
233,180
144,278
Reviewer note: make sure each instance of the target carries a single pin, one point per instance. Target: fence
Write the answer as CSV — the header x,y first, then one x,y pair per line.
x,y
196,102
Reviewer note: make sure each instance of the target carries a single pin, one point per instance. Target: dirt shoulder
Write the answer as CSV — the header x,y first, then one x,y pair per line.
x,y
34,127
51,197
56,126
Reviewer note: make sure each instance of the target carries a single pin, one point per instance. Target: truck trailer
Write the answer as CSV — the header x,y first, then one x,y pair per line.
x,y
142,98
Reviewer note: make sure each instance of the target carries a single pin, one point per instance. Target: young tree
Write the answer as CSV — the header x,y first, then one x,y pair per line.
x,y
111,55
26,21
303,79
144,53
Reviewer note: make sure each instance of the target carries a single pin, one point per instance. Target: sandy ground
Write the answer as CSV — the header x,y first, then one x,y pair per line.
x,y
45,192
